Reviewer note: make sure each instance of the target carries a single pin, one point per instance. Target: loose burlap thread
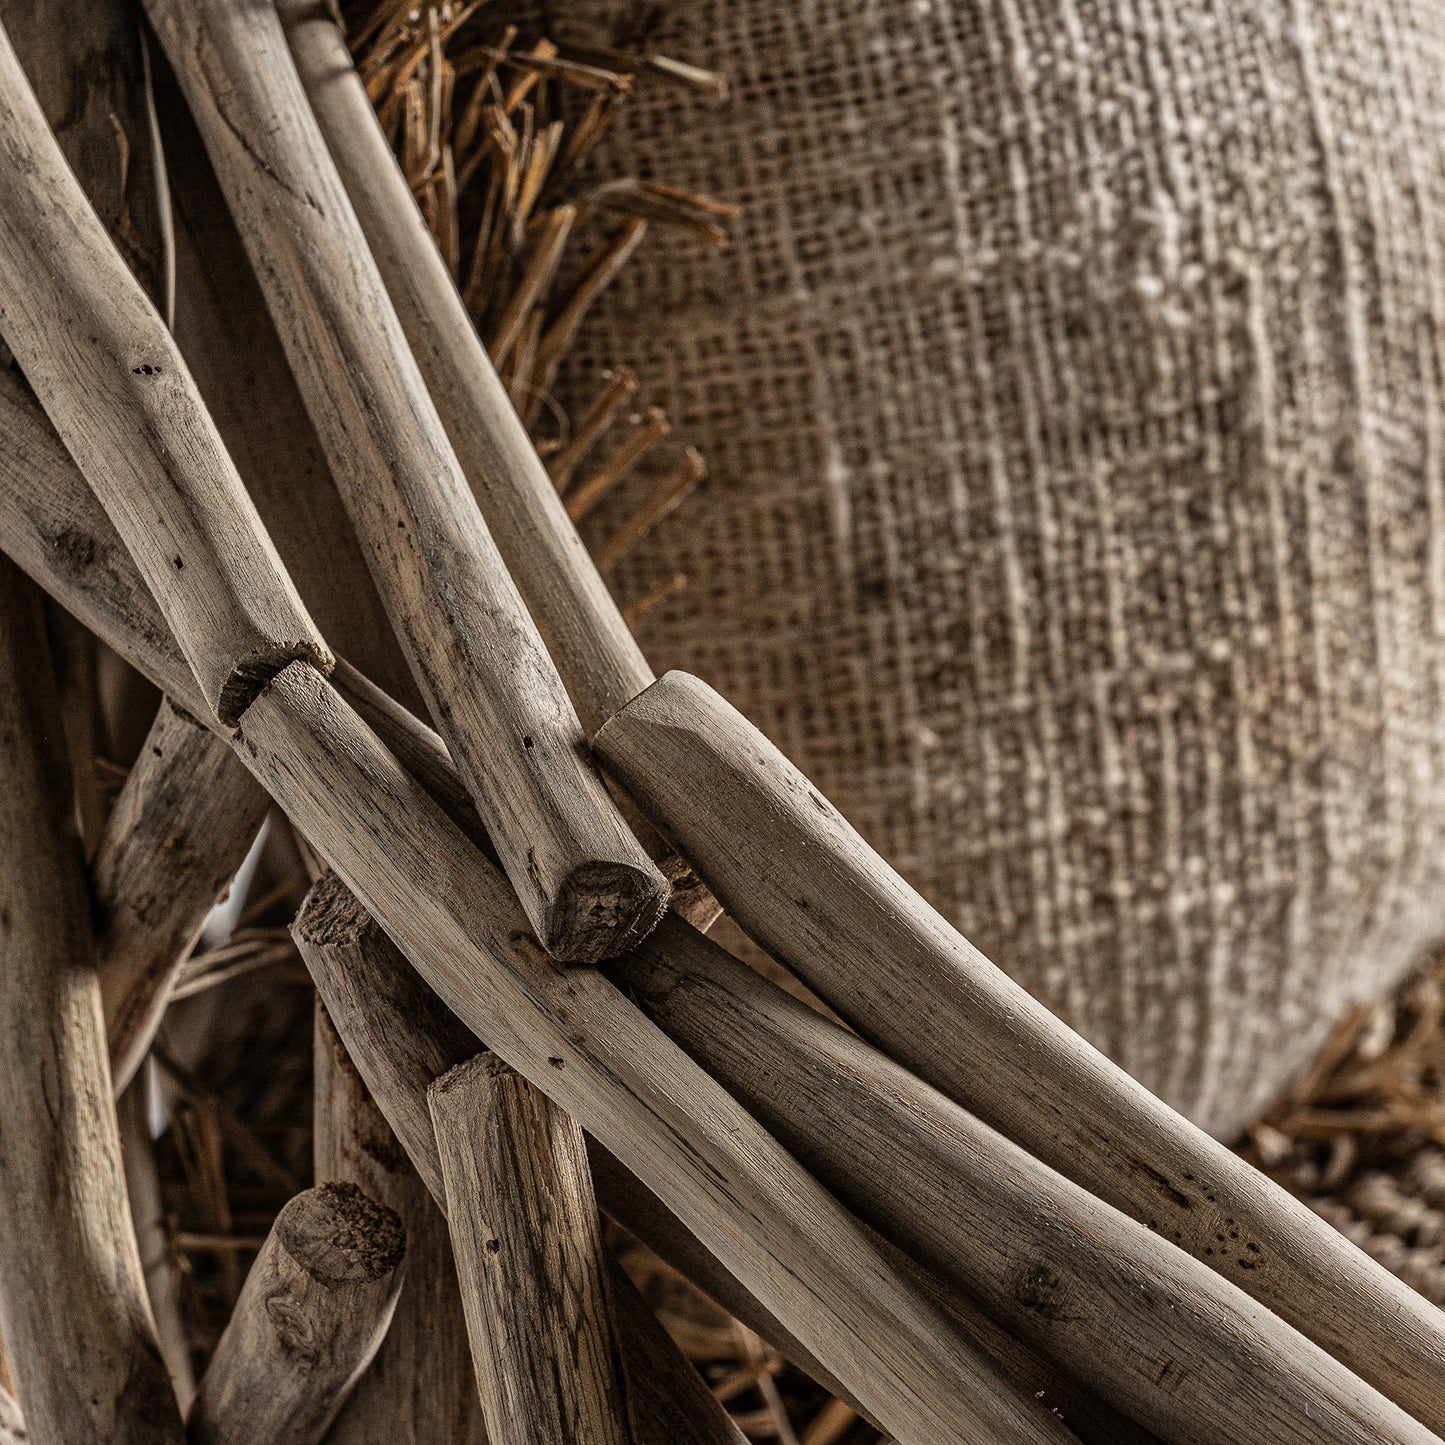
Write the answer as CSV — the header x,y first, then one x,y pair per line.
x,y
1072,396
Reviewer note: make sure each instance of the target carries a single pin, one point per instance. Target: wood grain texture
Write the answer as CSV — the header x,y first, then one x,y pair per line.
x,y
85,64
587,885
54,528
311,1314
180,829
530,1259
76,1322
1145,1325
799,880
420,1388
599,660
577,1038
400,1037
230,344
109,375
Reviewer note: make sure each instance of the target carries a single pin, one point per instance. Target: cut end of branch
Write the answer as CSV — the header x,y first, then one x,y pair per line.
x,y
603,909
331,915
339,1236
250,675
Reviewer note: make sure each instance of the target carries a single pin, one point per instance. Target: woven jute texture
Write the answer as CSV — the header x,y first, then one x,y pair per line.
x,y
1073,400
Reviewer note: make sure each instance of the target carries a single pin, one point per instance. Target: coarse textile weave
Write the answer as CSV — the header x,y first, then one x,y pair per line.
x,y
1073,400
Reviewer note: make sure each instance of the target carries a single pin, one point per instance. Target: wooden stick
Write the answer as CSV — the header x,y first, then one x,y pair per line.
x,y
113,382
595,653
230,344
802,883
311,1315
579,1040
72,1299
400,1037
1144,1324
587,885
420,1389
530,1260
178,832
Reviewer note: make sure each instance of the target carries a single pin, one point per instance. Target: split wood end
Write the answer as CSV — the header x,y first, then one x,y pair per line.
x,y
331,915
603,909
339,1236
249,676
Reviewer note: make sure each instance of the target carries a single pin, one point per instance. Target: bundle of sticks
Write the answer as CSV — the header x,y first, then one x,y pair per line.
x,y
933,1197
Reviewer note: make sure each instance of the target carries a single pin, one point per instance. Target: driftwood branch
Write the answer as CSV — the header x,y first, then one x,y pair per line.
x,y
1141,1322
400,1037
77,1324
586,884
311,1315
574,1036
530,1260
595,652
110,377
802,883
420,1388
179,831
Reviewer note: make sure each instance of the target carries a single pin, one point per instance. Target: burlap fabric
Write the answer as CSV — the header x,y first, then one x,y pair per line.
x,y
1072,395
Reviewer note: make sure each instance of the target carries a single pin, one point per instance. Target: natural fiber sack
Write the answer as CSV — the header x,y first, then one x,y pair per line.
x,y
1072,395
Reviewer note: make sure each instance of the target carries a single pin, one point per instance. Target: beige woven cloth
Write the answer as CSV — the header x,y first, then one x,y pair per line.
x,y
1073,400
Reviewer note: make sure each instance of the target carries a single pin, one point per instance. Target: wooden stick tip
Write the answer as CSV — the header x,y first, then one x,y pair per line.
x,y
603,909
340,1236
330,915
250,676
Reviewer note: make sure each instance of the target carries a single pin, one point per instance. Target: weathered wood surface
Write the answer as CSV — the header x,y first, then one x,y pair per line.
x,y
530,1259
420,1389
599,660
800,881
180,829
85,64
1145,1325
312,1312
12,1421
109,375
586,884
579,1040
400,1037
230,344
76,1322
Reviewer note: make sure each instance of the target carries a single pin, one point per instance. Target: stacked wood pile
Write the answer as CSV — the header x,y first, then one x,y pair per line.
x,y
255,447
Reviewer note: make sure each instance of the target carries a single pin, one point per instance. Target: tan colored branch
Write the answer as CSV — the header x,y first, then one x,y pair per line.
x,y
178,832
1139,1321
530,1260
595,653
574,1036
311,1315
113,382
400,1037
587,885
420,1388
802,883
76,1321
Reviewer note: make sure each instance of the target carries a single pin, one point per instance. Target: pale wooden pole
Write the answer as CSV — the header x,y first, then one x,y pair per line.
x,y
530,1259
587,885
595,652
77,1324
399,1038
311,1314
1144,1324
420,1388
803,884
180,829
579,1040
109,375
